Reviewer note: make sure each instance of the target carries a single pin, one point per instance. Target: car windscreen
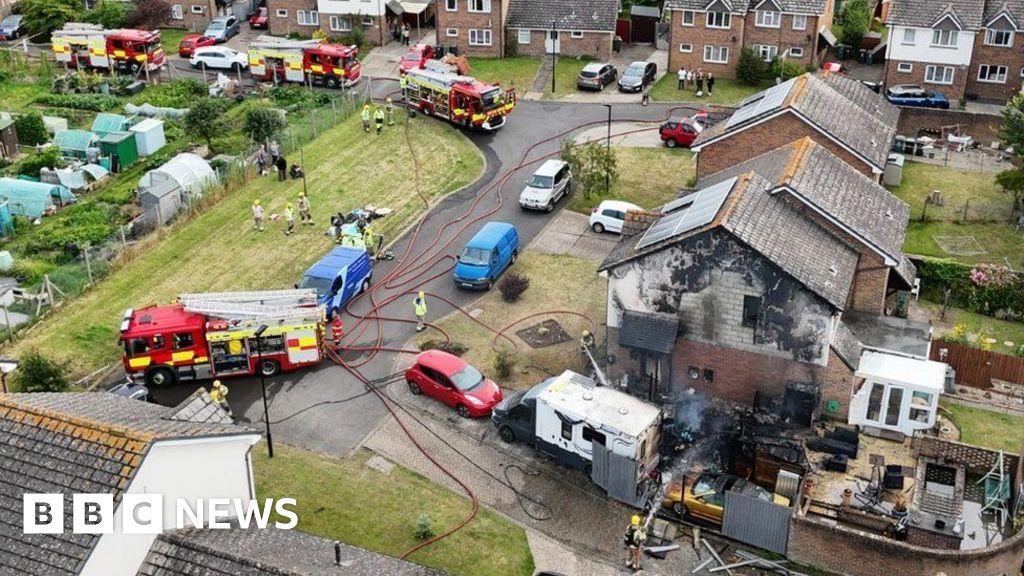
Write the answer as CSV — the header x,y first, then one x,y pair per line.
x,y
321,285
467,378
475,257
538,181
589,74
412,57
633,72
215,26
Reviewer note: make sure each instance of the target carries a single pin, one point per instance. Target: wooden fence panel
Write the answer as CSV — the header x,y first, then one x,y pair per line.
x,y
975,367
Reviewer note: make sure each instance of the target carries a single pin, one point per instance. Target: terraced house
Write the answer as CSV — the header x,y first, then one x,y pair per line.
x,y
709,34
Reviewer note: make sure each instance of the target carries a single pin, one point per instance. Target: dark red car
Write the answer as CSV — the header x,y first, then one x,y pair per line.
x,y
416,57
679,132
451,380
189,43
259,18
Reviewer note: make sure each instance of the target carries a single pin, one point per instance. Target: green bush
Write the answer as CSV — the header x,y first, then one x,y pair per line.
x,y
37,373
110,14
783,69
295,98
87,221
177,94
30,128
424,527
751,68
93,102
504,362
989,290
262,123
49,158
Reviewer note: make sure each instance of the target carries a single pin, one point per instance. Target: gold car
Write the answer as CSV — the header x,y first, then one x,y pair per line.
x,y
704,497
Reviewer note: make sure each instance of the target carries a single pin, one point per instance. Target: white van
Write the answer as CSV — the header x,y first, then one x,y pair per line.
x,y
548,185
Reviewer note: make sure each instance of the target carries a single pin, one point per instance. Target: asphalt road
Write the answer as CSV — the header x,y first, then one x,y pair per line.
x,y
327,409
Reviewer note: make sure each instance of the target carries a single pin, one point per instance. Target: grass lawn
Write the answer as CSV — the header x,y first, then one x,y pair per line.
x,y
986,428
348,501
218,250
171,37
549,278
1001,243
517,71
567,69
999,330
648,177
987,201
727,91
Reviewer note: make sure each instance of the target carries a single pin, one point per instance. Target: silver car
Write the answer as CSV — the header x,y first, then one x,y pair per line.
x,y
222,29
548,185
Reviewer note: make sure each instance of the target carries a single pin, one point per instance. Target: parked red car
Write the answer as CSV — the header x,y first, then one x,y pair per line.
x,y
260,18
680,131
189,43
416,57
451,380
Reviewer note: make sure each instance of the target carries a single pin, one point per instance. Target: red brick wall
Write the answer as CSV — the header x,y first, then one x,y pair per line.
x,y
785,37
189,20
289,24
699,36
1012,57
838,384
916,76
593,44
766,137
462,19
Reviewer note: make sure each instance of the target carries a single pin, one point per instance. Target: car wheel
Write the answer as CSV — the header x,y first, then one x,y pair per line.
x,y
160,378
680,510
598,227
269,368
236,67
550,206
194,64
506,434
365,286
490,284
462,410
671,142
414,387
331,82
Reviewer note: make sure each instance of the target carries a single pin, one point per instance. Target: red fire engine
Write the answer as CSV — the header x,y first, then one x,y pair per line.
x,y
215,335
464,100
81,45
283,60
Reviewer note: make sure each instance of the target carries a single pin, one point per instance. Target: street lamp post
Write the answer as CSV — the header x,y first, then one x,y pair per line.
x,y
554,41
608,148
263,385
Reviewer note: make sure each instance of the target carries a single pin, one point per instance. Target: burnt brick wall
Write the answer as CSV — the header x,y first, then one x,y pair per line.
x,y
766,137
462,20
953,91
1012,57
593,44
838,384
785,37
973,458
699,36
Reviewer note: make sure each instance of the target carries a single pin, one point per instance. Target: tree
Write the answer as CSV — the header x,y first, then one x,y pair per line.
x,y
38,373
149,14
110,14
31,129
591,164
856,22
1012,130
262,123
1012,182
42,17
204,119
751,68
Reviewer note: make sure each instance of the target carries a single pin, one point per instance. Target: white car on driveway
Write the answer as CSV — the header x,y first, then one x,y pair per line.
x,y
219,57
609,215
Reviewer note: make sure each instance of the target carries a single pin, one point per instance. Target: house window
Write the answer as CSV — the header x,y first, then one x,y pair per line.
x,y
576,34
686,48
905,67
718,20
767,53
688,18
198,9
368,21
768,19
799,22
451,32
938,74
479,37
591,435
908,35
480,6
751,310
566,431
341,24
946,38
281,13
694,372
451,5
524,36
709,375
796,52
991,73
999,38
716,54
308,18
176,12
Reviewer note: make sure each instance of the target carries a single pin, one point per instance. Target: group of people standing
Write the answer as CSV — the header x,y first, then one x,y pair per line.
x,y
379,115
697,79
289,215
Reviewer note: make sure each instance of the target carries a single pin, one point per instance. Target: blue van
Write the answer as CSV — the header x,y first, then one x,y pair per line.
x,y
338,276
494,248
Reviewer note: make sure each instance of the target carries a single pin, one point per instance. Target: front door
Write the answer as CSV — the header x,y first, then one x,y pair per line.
x,y
552,43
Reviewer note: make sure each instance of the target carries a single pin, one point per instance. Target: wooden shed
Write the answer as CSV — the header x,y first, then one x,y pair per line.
x,y
8,139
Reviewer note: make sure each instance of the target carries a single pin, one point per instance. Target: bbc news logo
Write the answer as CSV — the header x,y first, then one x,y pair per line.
x,y
144,513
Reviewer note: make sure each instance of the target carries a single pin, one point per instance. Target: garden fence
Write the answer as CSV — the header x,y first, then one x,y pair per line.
x,y
976,367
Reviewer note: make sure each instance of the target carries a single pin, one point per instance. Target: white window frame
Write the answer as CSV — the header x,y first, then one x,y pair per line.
x,y
197,9
766,52
485,7
368,21
281,13
576,34
989,68
340,23
451,5
909,36
451,32
723,53
905,67
796,52
311,17
930,74
768,19
686,48
688,18
478,32
945,38
528,34
177,12
990,38
725,17
802,19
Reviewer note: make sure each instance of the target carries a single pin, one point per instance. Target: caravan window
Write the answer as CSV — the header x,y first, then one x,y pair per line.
x,y
591,435
566,430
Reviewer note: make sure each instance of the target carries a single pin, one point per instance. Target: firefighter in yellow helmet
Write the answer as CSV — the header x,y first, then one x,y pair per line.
x,y
289,219
219,394
378,119
634,539
389,109
257,216
419,306
366,117
304,214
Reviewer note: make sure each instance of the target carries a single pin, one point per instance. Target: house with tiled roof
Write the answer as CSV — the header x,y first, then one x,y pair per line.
x,y
741,285
708,34
567,27
840,114
997,61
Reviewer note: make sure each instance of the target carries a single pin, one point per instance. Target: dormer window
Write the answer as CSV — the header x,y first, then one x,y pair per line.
x,y
945,38
1002,38
768,19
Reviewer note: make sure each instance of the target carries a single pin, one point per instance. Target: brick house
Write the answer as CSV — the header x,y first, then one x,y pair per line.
x,y
475,26
755,268
567,27
997,63
840,114
336,18
709,34
194,15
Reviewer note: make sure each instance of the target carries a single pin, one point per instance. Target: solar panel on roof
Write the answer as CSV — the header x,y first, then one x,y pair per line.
x,y
678,203
754,106
706,203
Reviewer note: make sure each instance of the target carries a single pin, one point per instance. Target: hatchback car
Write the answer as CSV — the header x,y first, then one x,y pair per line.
x,y
416,57
219,57
704,497
222,29
609,215
260,19
12,27
637,75
914,95
680,131
596,75
190,42
548,185
451,380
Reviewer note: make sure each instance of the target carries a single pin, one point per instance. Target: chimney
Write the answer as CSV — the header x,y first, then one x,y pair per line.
x,y
637,221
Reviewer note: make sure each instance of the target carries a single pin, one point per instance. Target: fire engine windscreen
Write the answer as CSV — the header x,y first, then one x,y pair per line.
x,y
467,378
492,99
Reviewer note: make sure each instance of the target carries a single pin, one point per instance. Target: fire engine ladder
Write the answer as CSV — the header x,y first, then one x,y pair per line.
x,y
293,298
272,42
256,313
79,29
